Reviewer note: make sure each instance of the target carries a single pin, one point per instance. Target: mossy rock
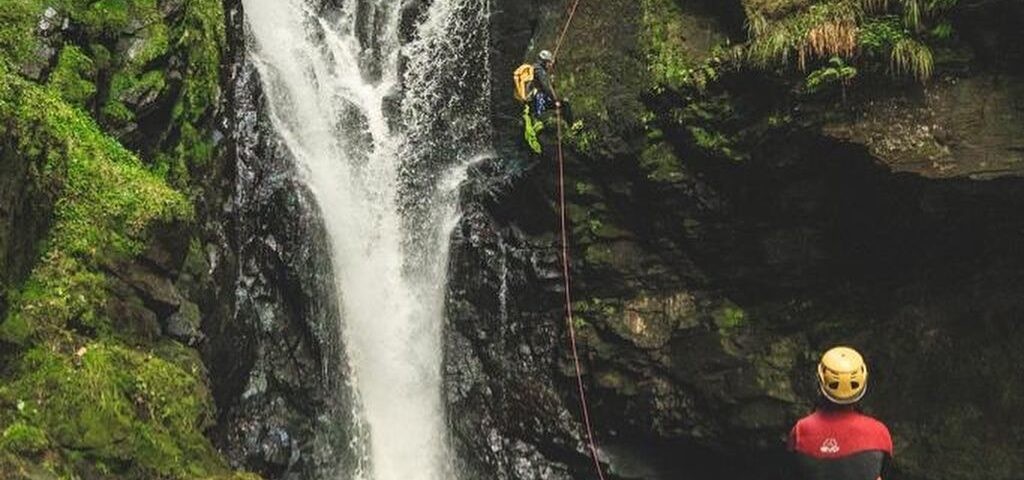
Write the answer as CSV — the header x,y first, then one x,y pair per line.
x,y
107,202
78,392
126,58
18,42
117,406
74,77
661,164
600,76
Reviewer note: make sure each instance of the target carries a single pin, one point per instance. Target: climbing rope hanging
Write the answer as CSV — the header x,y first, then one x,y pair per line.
x,y
565,29
584,405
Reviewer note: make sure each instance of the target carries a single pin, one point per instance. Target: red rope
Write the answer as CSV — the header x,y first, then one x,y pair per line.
x,y
584,406
565,29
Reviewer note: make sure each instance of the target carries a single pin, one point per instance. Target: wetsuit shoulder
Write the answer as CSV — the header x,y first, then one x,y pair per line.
x,y
851,432
843,445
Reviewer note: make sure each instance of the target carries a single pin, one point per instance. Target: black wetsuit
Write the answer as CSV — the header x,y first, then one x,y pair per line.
x,y
544,98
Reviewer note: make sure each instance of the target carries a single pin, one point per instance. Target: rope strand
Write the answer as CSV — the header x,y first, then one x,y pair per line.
x,y
565,30
584,405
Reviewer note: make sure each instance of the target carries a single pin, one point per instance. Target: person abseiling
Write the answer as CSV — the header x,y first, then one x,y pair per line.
x,y
533,88
837,442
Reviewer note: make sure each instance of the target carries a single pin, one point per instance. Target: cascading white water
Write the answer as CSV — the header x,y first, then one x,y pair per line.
x,y
385,187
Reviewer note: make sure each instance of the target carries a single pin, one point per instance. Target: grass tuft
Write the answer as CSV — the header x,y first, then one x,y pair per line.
x,y
911,58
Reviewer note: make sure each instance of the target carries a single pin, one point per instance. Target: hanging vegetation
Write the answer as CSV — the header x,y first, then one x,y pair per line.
x,y
858,31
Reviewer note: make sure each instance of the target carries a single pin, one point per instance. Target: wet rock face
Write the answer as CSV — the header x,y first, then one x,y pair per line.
x,y
992,28
706,287
274,348
502,354
969,126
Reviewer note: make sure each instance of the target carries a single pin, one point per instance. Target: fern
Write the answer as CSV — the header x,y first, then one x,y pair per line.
x,y
837,72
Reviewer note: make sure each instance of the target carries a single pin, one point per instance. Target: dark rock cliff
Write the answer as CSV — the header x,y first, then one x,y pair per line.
x,y
723,238
274,351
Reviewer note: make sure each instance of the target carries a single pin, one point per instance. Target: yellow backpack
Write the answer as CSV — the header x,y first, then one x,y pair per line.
x,y
522,78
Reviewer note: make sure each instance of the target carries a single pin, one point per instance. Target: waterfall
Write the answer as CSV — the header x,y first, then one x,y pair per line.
x,y
383,104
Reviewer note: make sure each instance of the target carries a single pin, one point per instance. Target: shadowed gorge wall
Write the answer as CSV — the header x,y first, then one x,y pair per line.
x,y
727,227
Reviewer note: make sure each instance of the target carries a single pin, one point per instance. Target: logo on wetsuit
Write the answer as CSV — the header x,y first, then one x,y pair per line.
x,y
830,446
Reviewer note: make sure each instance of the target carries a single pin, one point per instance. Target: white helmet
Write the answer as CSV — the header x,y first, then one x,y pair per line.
x,y
546,56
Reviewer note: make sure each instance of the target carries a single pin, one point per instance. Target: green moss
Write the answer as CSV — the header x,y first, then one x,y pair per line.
x,y
16,329
22,438
599,72
116,113
585,188
712,125
101,56
603,308
153,42
661,163
84,400
106,201
111,17
132,80
730,317
201,35
18,21
195,38
597,255
234,476
617,381
120,406
74,76
125,87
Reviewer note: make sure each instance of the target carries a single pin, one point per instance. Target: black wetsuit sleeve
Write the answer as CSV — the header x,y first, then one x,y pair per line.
x,y
543,81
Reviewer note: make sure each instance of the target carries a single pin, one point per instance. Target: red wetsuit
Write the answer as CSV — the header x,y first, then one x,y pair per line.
x,y
840,445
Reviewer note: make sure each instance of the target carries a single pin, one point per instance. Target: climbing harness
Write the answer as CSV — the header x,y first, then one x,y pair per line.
x,y
584,406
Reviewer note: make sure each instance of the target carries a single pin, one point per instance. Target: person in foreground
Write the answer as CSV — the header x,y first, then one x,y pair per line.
x,y
837,442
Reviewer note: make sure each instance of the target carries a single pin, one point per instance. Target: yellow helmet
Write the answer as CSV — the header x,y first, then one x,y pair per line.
x,y
843,375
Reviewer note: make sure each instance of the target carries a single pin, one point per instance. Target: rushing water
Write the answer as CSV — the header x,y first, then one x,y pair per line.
x,y
382,105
